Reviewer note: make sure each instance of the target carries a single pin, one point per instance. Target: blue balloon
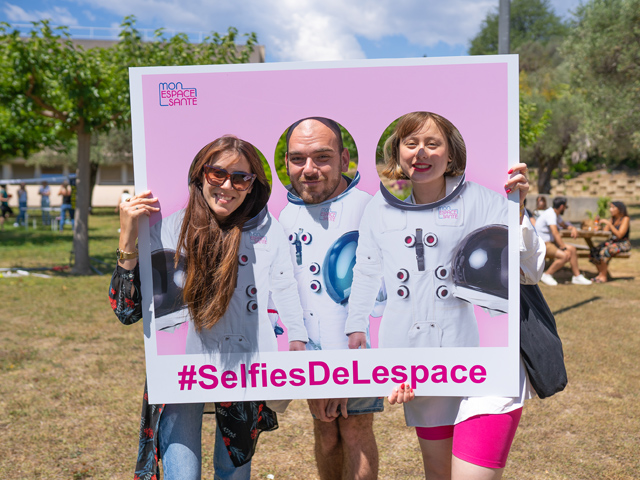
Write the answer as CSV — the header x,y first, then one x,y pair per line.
x,y
337,269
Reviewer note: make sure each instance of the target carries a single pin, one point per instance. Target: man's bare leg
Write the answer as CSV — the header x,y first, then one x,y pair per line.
x,y
328,449
346,448
561,257
573,260
359,448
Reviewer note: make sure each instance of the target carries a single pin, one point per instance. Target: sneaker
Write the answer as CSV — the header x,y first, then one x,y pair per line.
x,y
580,280
548,280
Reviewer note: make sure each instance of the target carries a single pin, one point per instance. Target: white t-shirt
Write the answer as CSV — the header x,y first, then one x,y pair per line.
x,y
545,220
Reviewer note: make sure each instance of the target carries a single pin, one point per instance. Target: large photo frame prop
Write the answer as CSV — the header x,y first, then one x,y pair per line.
x,y
178,110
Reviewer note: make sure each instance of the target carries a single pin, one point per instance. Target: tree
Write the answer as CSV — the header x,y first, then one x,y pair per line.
x,y
603,52
548,115
531,21
23,132
84,92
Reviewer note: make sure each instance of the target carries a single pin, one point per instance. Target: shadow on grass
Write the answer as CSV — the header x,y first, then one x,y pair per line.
x,y
18,238
105,264
576,305
65,270
617,278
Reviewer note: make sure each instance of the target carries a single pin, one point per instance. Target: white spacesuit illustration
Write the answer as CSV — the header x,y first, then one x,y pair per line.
x,y
323,239
427,258
264,270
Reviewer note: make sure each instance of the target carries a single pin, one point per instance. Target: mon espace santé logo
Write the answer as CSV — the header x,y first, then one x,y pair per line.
x,y
174,94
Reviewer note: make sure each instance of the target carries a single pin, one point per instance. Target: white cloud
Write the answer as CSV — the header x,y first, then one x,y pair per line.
x,y
17,14
301,29
89,14
313,29
57,15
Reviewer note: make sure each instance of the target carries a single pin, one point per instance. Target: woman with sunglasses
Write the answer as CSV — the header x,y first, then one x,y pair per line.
x,y
229,247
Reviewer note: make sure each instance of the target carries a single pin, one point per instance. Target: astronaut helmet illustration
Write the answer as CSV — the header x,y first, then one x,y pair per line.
x,y
480,268
337,268
168,281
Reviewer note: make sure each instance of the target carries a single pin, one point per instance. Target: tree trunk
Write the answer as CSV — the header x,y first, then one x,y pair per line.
x,y
546,165
82,265
544,176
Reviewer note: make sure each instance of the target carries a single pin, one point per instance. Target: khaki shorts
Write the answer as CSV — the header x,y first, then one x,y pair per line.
x,y
552,248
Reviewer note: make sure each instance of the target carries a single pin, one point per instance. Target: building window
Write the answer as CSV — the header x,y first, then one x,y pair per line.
x,y
22,171
110,175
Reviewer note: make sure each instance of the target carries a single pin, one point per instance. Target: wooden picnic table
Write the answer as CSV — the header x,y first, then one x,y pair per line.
x,y
588,235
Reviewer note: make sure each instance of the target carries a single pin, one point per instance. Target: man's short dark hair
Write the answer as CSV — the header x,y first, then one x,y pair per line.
x,y
559,201
327,122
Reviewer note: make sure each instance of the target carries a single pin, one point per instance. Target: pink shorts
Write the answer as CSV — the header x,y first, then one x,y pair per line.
x,y
483,440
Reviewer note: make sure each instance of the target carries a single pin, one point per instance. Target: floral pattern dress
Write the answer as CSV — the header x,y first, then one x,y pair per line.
x,y
604,252
240,422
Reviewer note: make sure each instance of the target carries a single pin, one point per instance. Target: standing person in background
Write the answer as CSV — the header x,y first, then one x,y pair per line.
x,y
65,193
125,196
561,253
322,215
22,205
74,192
45,203
4,205
618,243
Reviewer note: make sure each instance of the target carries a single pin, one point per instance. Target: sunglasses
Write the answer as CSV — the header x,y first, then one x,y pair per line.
x,y
216,177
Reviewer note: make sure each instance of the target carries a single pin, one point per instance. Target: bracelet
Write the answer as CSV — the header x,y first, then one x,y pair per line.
x,y
122,255
521,211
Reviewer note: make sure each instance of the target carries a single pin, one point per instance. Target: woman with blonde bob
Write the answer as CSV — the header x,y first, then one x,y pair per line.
x,y
233,255
414,245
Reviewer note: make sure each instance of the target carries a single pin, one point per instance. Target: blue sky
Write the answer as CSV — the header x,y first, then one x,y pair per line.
x,y
291,30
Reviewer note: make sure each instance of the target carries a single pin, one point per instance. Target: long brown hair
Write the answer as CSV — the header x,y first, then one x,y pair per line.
x,y
210,247
412,122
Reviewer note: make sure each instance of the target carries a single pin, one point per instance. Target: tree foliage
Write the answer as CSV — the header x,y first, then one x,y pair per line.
x,y
73,92
548,89
603,52
531,21
548,111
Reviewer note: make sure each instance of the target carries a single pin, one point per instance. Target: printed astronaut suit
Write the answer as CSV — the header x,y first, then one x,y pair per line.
x,y
430,303
264,270
323,238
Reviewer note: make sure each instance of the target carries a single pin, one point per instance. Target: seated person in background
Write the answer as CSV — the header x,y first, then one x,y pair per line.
x,y
541,206
529,213
619,241
561,253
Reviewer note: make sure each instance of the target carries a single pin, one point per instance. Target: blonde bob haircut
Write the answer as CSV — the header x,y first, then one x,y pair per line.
x,y
413,122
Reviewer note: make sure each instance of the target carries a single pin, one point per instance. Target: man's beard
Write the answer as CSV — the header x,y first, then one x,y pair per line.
x,y
315,196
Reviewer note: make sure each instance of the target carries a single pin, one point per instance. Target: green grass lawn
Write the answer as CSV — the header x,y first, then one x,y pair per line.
x,y
71,378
